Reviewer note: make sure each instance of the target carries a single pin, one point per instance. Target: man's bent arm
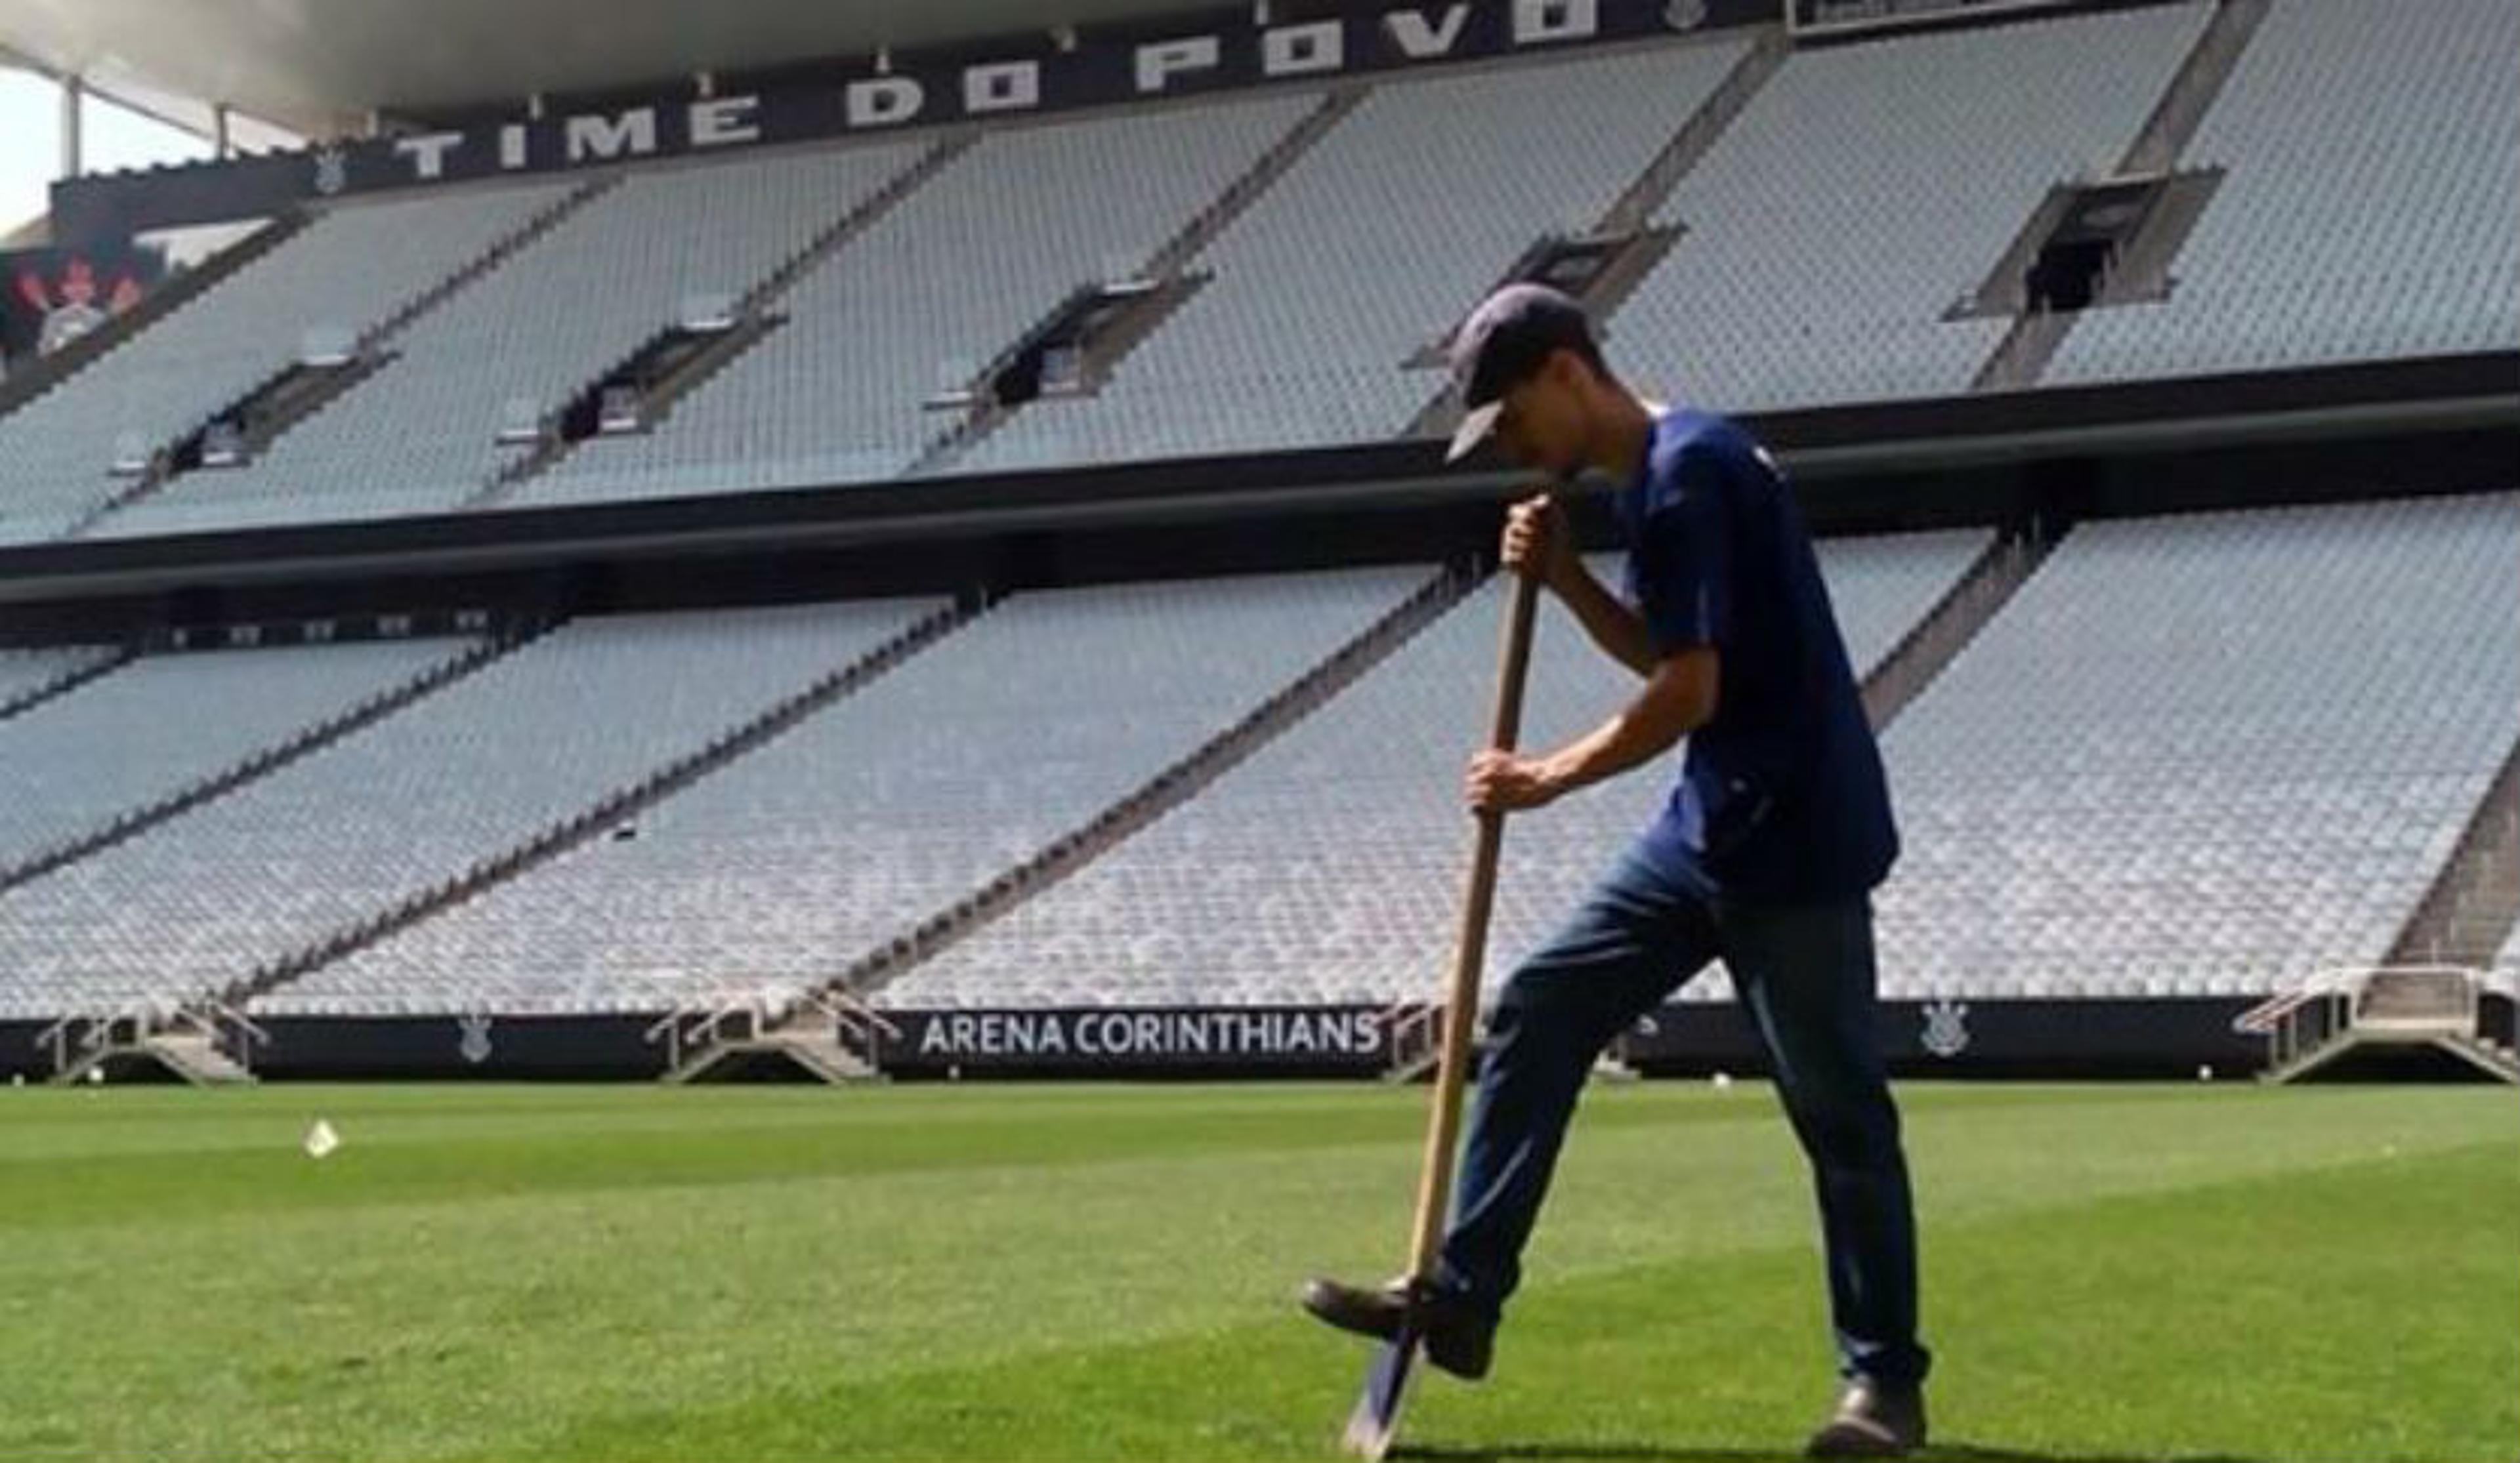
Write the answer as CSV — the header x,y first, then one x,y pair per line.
x,y
1618,630
1678,697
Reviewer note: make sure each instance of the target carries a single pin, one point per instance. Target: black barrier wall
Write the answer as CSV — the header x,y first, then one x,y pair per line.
x,y
20,1057
1963,1038
471,1045
1955,1038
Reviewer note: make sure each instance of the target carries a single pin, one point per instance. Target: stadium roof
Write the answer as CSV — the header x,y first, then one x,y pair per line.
x,y
314,64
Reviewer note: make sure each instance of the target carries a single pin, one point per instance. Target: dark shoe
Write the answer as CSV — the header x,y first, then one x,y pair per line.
x,y
1872,1421
1458,1339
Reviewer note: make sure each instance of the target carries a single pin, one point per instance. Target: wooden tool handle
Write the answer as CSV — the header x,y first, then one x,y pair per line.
x,y
1462,999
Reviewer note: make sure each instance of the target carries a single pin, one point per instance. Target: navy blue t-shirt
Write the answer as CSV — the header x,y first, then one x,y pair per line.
x,y
1782,795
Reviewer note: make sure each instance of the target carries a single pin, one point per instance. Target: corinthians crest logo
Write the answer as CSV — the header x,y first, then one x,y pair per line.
x,y
332,169
474,1043
75,300
1946,1032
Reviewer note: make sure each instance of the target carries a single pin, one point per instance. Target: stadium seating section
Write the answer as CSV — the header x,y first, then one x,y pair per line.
x,y
1367,252
350,269
163,723
1861,193
406,805
2196,755
1869,188
934,289
2343,231
27,675
971,756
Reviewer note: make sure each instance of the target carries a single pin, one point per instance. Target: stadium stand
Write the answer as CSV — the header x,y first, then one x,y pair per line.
x,y
423,434
1326,869
2206,755
926,297
2343,233
161,724
348,269
836,837
1366,252
415,803
1868,188
1810,268
28,675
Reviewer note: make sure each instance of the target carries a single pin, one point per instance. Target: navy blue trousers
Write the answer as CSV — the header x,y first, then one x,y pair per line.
x,y
1805,977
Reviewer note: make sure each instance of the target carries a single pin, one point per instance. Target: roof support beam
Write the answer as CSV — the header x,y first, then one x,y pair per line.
x,y
73,146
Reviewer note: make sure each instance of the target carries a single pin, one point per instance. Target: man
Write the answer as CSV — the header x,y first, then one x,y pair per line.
x,y
1764,856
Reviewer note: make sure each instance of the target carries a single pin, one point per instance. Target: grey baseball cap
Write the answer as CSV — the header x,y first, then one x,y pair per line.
x,y
1503,342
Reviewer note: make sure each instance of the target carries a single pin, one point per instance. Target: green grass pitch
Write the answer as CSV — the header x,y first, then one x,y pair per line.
x,y
1090,1272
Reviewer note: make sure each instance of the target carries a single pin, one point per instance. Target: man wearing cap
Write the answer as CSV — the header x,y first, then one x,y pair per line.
x,y
1764,856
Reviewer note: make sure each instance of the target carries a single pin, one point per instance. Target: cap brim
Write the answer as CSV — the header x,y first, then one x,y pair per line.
x,y
1475,425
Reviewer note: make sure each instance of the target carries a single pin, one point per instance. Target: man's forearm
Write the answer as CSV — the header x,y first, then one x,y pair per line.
x,y
1680,696
1629,740
1613,627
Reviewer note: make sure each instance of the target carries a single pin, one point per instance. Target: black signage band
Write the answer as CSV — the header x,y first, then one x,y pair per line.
x,y
1211,51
